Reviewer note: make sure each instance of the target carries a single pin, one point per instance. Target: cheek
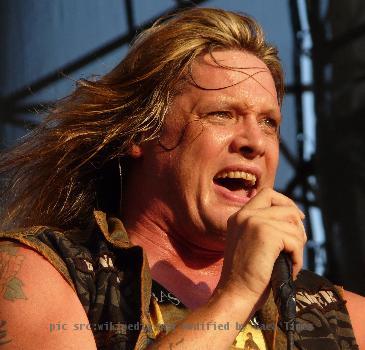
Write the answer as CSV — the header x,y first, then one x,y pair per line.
x,y
272,158
206,139
155,162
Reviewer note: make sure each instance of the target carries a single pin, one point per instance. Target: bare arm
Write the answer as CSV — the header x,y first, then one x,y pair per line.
x,y
38,308
356,308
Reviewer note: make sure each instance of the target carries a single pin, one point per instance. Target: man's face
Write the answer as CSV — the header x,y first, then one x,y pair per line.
x,y
218,147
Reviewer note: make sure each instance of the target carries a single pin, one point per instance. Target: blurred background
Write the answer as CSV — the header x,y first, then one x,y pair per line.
x,y
46,45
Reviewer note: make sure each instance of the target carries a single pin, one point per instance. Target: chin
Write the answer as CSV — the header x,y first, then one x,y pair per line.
x,y
217,230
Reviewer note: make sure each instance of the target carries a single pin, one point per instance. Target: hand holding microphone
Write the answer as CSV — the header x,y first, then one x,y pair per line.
x,y
267,225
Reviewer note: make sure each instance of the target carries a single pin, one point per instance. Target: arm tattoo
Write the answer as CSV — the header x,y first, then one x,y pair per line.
x,y
10,264
3,336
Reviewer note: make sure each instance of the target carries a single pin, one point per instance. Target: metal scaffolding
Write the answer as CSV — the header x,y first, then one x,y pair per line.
x,y
300,187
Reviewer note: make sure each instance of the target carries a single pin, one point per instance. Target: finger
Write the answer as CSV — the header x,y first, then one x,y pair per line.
x,y
280,215
267,197
280,236
263,231
283,213
288,229
288,239
296,253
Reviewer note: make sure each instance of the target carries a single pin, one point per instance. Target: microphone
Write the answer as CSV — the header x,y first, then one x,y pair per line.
x,y
284,295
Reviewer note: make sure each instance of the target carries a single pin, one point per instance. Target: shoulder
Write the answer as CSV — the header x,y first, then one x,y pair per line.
x,y
36,300
356,308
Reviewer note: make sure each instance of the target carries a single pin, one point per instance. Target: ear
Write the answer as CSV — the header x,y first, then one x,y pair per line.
x,y
135,151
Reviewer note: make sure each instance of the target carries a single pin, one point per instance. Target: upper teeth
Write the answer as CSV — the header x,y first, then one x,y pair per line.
x,y
238,175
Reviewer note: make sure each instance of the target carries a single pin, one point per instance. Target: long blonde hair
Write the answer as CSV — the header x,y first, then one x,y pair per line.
x,y
57,173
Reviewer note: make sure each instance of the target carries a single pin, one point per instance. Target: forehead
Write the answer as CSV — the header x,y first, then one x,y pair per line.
x,y
233,73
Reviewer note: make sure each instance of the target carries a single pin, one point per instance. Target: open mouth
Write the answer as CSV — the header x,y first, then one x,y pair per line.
x,y
238,183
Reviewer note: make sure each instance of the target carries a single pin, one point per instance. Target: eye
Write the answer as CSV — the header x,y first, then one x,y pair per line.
x,y
270,122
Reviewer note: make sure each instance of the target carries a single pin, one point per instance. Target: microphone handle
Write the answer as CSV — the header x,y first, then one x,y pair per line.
x,y
284,294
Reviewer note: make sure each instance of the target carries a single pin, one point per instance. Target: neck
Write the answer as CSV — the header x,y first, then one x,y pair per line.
x,y
188,270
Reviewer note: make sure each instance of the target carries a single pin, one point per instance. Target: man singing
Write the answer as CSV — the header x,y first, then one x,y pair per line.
x,y
141,213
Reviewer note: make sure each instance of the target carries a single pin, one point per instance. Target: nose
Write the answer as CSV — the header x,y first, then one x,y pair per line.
x,y
249,139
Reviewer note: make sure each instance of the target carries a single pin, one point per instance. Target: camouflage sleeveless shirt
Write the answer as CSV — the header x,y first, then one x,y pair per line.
x,y
113,282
